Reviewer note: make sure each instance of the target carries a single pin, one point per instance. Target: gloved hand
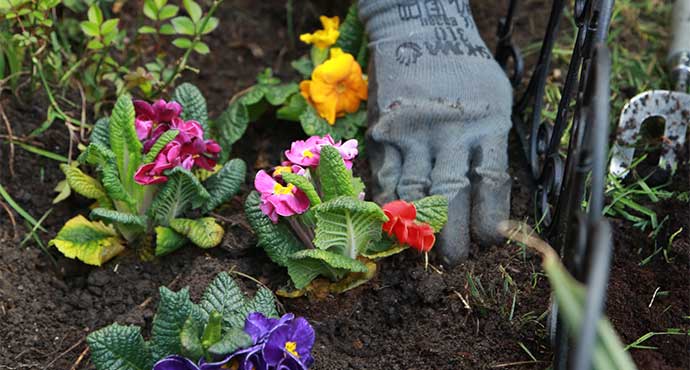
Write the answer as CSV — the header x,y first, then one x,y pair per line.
x,y
439,116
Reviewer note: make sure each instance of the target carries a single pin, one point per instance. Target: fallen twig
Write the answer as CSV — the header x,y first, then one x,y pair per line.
x,y
68,350
80,358
464,301
518,363
12,220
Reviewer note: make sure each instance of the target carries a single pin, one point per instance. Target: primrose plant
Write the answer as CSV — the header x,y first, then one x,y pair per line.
x,y
310,216
226,330
330,99
156,171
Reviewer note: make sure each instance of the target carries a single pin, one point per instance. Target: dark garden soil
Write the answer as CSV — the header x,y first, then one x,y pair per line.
x,y
489,312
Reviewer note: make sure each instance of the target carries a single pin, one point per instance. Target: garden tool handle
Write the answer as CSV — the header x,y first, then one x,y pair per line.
x,y
679,53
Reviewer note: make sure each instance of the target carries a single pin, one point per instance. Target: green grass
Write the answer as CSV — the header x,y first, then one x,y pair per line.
x,y
638,39
638,344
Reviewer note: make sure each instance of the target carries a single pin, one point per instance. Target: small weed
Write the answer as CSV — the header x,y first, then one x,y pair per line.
x,y
637,344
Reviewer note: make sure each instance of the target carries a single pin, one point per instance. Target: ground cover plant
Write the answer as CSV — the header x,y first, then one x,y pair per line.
x,y
89,49
490,312
310,216
153,166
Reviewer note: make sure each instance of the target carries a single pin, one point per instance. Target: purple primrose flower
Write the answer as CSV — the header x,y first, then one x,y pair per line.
x,y
292,339
278,344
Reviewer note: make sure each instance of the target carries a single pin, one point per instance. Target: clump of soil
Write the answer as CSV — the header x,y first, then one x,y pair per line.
x,y
488,312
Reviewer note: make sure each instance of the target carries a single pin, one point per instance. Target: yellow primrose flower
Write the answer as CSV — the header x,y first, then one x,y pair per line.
x,y
336,87
325,37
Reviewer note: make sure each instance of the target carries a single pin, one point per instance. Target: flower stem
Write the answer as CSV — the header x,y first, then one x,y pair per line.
x,y
304,233
182,63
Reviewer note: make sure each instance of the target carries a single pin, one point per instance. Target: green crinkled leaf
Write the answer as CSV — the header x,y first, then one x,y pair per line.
x,y
347,127
118,347
276,239
306,265
223,295
305,185
336,179
174,309
231,125
355,120
304,66
433,210
125,144
264,301
85,185
88,241
278,94
358,186
224,184
351,32
253,96
233,340
96,154
104,158
168,240
182,192
313,124
101,132
266,77
204,232
115,217
193,104
160,143
293,109
347,225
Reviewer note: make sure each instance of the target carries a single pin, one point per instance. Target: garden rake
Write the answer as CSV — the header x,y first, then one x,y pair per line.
x,y
673,107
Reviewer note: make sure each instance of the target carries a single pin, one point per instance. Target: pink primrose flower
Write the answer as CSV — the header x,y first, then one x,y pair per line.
x,y
278,199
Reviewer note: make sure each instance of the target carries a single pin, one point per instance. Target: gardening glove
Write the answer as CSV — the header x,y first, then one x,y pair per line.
x,y
439,116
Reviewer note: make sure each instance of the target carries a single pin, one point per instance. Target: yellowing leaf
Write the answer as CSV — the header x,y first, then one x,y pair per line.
x,y
204,232
91,242
64,191
395,249
168,240
354,279
82,183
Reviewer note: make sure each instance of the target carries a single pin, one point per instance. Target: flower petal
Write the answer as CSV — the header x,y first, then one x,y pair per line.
x,y
402,209
175,363
264,183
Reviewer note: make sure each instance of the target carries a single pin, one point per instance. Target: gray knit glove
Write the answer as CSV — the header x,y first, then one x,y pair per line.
x,y
439,113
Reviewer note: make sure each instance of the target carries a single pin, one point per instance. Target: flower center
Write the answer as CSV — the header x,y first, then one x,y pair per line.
x,y
283,190
232,365
292,348
279,170
340,87
307,154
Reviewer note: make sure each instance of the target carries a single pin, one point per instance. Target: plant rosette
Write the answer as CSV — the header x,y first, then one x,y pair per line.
x,y
331,97
156,171
225,330
310,216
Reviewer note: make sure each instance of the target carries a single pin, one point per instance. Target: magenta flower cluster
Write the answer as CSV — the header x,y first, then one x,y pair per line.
x,y
281,199
277,344
188,150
